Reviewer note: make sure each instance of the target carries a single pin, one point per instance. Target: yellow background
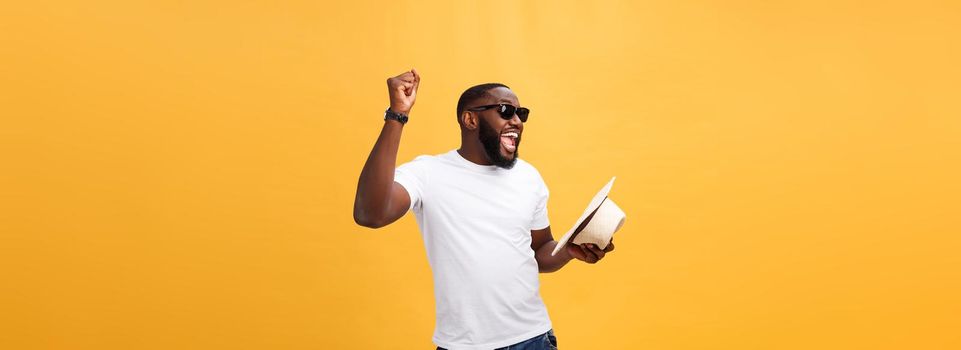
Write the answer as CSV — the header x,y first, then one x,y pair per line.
x,y
180,175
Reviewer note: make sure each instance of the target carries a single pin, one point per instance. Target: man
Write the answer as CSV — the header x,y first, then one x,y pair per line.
x,y
482,212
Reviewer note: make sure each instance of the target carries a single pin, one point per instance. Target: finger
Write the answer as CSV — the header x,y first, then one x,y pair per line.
x,y
399,80
590,256
406,76
600,252
416,79
596,251
400,89
576,251
403,86
610,247
581,253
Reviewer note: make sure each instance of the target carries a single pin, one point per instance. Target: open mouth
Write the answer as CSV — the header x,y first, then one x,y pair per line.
x,y
509,140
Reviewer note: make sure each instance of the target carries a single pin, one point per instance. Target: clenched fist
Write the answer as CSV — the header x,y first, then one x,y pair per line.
x,y
403,91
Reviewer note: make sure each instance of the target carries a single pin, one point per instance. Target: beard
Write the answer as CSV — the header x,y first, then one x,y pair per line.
x,y
491,140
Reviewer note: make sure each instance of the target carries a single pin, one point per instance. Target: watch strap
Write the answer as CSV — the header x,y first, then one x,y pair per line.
x,y
389,114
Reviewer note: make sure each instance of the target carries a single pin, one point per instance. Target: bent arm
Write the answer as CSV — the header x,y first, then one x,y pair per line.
x,y
543,243
379,200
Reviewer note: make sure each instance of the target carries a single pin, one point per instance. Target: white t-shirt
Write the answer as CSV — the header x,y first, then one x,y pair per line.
x,y
476,221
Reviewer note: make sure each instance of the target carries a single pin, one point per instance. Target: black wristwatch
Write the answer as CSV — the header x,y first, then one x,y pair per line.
x,y
389,114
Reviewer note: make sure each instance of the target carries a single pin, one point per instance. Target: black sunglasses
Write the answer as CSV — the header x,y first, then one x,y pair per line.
x,y
506,111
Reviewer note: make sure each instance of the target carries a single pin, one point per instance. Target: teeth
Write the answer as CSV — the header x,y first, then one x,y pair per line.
x,y
510,134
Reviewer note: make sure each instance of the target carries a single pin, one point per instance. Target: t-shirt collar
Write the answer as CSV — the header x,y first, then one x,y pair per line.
x,y
474,166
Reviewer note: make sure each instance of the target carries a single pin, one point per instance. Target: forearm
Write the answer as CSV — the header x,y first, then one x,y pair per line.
x,y
377,177
547,263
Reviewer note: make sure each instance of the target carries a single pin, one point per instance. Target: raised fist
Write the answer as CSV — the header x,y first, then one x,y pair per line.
x,y
403,91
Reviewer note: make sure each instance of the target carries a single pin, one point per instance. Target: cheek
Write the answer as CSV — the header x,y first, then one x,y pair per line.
x,y
499,124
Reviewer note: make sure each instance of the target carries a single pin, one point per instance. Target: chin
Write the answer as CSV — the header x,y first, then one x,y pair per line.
x,y
506,160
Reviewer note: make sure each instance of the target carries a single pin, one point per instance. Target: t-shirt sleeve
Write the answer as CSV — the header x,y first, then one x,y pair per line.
x,y
412,176
540,220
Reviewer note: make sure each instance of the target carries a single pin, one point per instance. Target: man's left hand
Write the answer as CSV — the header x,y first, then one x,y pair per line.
x,y
588,252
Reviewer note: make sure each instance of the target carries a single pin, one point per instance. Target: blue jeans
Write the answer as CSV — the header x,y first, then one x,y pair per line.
x,y
546,341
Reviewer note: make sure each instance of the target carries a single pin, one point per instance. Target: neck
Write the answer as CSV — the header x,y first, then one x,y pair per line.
x,y
472,150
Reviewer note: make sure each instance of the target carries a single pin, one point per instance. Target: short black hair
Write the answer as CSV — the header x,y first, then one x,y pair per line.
x,y
472,94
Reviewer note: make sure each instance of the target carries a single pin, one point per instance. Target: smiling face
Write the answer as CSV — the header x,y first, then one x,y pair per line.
x,y
501,137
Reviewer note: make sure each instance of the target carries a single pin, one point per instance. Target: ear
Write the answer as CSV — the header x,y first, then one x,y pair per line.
x,y
469,119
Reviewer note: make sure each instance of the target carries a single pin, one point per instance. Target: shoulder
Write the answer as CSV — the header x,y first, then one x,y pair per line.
x,y
424,164
424,159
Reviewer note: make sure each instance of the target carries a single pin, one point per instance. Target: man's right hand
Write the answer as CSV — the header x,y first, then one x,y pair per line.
x,y
403,91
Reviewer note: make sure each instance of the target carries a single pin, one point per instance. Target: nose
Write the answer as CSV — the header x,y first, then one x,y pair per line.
x,y
516,121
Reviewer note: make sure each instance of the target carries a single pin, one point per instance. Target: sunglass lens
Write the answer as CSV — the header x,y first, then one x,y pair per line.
x,y
522,113
507,112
